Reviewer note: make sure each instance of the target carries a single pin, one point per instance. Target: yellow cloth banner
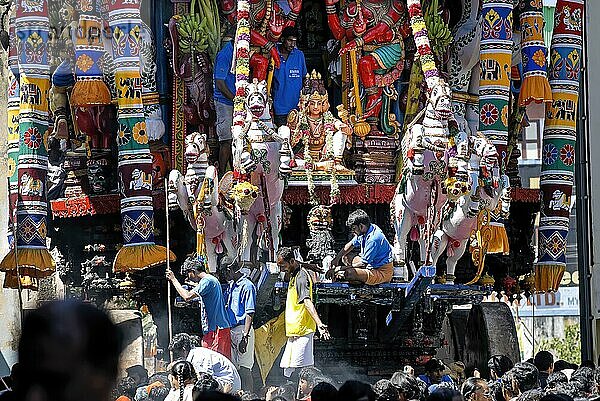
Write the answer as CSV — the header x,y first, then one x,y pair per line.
x,y
269,340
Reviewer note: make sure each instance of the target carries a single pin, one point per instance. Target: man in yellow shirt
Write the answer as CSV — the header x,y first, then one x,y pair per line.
x,y
301,317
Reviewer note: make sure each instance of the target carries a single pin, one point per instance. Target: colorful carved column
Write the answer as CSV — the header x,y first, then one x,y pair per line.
x,y
558,152
535,86
135,160
31,29
494,92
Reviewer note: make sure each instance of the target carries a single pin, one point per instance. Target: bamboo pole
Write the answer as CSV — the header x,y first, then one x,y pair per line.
x,y
168,247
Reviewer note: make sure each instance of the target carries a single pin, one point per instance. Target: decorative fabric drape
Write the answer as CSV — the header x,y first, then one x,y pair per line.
x,y
558,149
494,92
134,158
535,86
31,29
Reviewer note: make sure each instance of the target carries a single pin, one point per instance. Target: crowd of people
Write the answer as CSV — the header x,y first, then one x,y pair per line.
x,y
69,351
538,379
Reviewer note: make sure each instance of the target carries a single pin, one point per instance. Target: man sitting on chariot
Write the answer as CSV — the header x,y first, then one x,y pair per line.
x,y
374,264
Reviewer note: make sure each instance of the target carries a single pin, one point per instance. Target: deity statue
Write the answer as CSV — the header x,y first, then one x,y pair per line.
x,y
268,20
318,139
377,28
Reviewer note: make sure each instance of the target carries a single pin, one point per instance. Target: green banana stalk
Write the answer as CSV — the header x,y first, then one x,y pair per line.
x,y
439,34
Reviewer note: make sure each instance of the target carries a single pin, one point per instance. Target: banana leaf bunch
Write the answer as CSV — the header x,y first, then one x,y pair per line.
x,y
200,31
438,31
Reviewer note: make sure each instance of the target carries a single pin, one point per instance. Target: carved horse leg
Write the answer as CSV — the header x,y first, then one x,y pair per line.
x,y
248,225
452,260
440,241
211,254
229,238
402,224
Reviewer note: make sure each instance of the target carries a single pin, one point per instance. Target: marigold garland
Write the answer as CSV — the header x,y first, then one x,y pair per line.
x,y
419,29
242,61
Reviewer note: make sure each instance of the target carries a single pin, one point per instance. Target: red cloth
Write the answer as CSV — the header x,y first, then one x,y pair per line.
x,y
218,340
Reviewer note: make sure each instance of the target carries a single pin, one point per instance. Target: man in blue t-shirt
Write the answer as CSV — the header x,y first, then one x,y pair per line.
x,y
215,324
288,78
224,92
374,263
240,298
434,374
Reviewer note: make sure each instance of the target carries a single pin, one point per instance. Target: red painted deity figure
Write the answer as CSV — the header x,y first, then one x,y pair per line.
x,y
268,21
378,28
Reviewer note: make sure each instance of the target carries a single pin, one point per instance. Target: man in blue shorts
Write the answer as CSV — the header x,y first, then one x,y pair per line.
x,y
288,78
224,92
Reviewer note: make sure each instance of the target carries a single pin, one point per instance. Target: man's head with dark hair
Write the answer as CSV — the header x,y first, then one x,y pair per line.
x,y
158,393
499,365
357,218
205,383
286,259
289,31
138,373
307,378
531,395
227,268
193,264
323,391
562,365
386,391
68,351
126,387
583,380
353,390
526,375
181,344
472,386
544,361
434,369
407,385
555,379
289,38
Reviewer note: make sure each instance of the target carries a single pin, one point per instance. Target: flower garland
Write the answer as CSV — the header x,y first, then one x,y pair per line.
x,y
241,61
309,163
419,29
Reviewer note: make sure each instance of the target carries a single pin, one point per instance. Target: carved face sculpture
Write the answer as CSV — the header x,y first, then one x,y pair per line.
x,y
315,107
441,99
256,98
195,145
98,177
319,218
456,189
